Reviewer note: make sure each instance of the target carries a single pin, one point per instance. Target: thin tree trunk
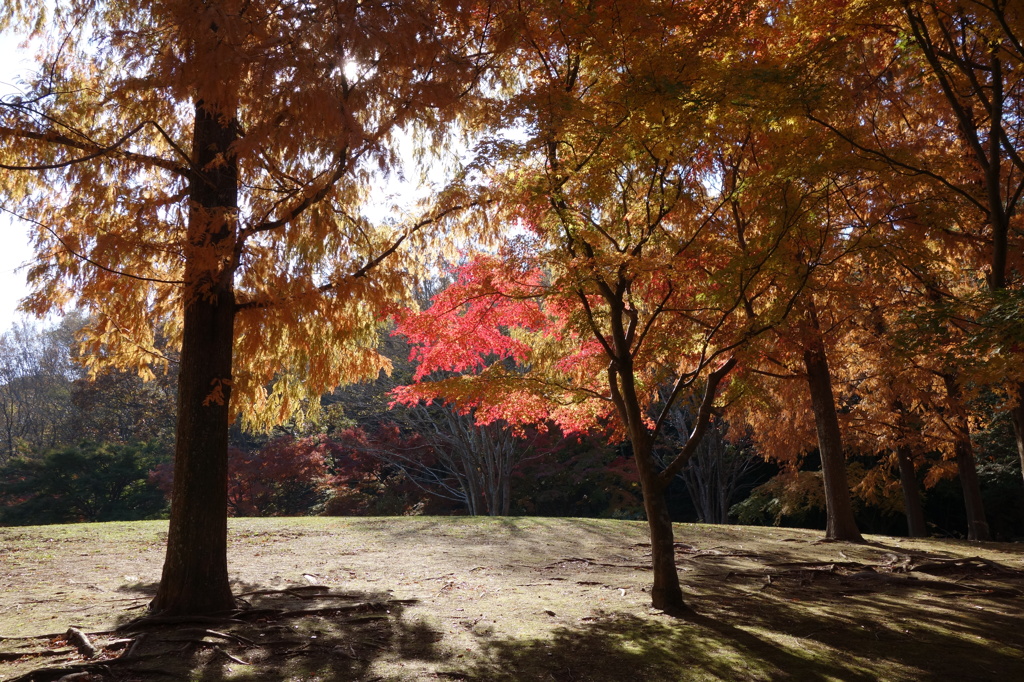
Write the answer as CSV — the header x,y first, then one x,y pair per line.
x,y
1017,419
1001,195
838,507
666,594
977,525
916,527
506,492
195,575
472,493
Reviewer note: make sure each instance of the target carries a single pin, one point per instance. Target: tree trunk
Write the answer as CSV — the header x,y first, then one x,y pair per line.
x,y
506,492
473,496
1017,419
666,594
838,508
195,574
916,527
977,525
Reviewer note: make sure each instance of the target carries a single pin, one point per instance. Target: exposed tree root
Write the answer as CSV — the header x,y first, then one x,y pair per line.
x,y
58,672
893,563
301,591
162,621
894,571
326,631
592,562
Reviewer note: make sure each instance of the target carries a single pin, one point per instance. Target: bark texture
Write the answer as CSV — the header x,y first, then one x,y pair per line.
x,y
195,574
1017,419
839,509
977,524
916,527
666,593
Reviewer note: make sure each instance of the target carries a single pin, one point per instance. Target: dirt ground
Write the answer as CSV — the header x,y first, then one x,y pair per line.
x,y
514,599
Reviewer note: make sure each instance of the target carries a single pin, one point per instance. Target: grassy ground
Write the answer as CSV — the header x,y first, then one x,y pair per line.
x,y
515,599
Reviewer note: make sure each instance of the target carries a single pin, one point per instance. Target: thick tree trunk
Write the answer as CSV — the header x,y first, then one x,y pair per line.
x,y
195,575
977,525
916,527
666,594
839,509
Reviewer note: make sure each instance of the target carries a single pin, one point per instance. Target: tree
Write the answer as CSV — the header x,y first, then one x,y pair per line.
x,y
48,402
974,52
628,275
714,475
869,88
934,90
841,524
460,459
36,372
287,477
87,482
195,170
796,185
117,406
362,482
444,452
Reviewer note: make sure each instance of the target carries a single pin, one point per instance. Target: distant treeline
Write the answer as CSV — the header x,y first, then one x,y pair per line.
x,y
77,448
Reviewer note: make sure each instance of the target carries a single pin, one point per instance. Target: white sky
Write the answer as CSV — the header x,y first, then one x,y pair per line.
x,y
15,251
14,247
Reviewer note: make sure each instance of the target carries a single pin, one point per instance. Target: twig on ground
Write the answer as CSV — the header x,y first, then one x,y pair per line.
x,y
236,659
297,591
230,636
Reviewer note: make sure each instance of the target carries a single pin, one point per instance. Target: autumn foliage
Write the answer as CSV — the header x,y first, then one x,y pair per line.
x,y
806,214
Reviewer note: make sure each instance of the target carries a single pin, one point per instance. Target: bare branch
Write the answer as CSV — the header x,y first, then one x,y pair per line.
x,y
363,270
700,423
340,169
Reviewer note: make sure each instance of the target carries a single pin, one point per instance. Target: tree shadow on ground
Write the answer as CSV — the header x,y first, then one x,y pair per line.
x,y
805,626
623,646
300,632
306,633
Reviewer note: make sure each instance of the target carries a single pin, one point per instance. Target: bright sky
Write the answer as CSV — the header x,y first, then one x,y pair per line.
x,y
14,247
15,251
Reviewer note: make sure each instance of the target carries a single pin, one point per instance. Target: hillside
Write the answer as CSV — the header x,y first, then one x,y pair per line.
x,y
516,599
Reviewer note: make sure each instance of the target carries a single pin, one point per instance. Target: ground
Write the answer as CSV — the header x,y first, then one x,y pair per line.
x,y
514,599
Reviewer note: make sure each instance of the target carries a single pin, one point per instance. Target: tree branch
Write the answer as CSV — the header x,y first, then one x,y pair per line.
x,y
700,423
265,226
93,150
366,267
86,259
